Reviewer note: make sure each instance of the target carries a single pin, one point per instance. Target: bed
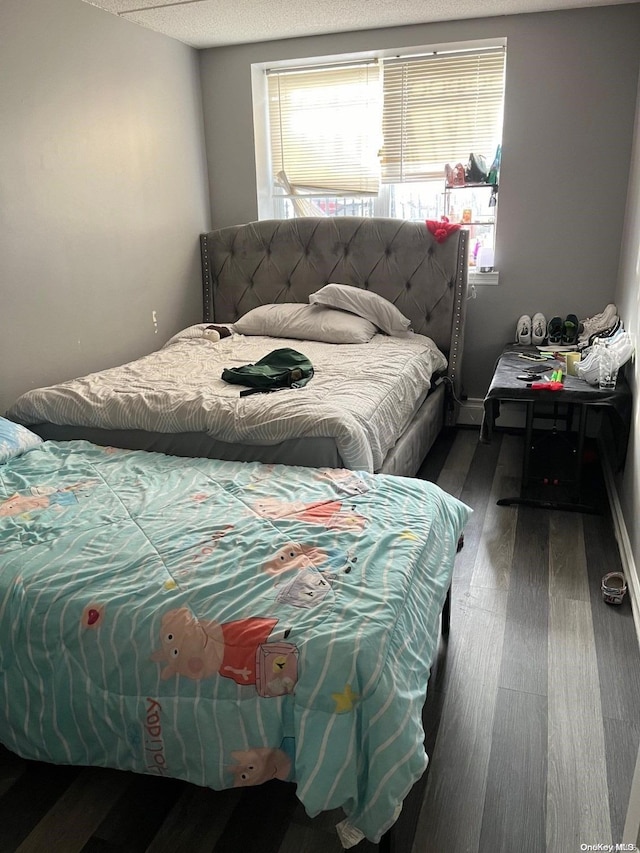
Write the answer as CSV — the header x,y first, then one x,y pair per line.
x,y
375,404
224,623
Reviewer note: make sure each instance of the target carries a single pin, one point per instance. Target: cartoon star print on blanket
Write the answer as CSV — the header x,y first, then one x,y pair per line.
x,y
221,622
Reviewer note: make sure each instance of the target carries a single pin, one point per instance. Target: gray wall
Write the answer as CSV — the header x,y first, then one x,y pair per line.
x,y
627,298
569,109
103,191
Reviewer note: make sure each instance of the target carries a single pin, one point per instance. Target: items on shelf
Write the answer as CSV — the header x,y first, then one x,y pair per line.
x,y
494,169
475,172
454,176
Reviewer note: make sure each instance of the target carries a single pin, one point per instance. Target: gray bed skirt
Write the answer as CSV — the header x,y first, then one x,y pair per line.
x,y
404,459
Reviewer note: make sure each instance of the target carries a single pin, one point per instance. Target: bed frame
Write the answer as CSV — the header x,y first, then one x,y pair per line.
x,y
244,266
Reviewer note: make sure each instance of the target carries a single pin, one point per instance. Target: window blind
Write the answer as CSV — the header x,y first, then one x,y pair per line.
x,y
326,127
438,109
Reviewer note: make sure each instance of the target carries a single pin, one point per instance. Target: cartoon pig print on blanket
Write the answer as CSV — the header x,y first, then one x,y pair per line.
x,y
39,498
297,555
258,765
329,514
308,588
199,648
294,555
17,504
344,480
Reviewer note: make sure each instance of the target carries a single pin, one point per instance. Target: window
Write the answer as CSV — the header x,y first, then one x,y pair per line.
x,y
370,136
438,109
326,128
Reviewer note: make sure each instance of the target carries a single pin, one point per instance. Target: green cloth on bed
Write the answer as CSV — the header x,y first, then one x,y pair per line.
x,y
281,368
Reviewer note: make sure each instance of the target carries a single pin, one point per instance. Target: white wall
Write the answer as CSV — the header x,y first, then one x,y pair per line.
x,y
103,188
628,484
627,298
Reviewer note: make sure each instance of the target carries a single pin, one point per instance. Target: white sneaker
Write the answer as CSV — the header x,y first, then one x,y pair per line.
x,y
609,336
605,334
598,323
620,345
587,368
538,329
523,330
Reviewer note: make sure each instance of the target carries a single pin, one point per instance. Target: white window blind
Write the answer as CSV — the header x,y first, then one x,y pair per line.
x,y
326,128
438,109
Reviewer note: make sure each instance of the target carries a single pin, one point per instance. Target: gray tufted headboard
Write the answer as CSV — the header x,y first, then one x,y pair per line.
x,y
276,260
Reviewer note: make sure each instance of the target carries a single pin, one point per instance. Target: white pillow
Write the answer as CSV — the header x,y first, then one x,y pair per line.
x,y
365,304
306,323
15,439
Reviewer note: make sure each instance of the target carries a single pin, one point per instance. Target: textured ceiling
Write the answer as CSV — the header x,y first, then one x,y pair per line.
x,y
214,23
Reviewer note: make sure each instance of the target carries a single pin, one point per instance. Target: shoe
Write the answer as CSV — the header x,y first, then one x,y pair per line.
x,y
538,329
586,346
523,330
599,322
554,330
620,345
587,367
570,330
605,334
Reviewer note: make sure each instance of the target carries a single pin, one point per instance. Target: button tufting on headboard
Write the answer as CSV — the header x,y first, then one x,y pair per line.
x,y
397,259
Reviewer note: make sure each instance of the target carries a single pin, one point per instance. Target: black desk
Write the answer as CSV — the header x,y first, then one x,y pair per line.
x,y
576,395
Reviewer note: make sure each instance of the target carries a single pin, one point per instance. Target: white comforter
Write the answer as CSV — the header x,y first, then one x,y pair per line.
x,y
362,395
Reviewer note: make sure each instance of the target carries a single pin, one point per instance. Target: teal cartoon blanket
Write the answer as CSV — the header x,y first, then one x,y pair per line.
x,y
224,623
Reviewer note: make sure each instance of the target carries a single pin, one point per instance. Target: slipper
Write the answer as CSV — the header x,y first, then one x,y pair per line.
x,y
554,330
538,329
570,329
523,330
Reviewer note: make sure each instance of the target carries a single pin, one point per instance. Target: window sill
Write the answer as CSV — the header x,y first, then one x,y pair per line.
x,y
477,278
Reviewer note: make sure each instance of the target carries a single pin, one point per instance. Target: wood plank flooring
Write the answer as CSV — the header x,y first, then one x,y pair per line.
x,y
532,718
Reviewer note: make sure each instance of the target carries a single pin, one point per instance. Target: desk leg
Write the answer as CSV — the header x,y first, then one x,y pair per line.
x,y
582,427
528,439
542,503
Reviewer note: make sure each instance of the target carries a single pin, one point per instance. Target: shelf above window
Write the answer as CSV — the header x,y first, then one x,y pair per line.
x,y
470,186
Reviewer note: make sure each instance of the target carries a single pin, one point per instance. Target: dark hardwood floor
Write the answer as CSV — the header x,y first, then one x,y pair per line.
x,y
532,717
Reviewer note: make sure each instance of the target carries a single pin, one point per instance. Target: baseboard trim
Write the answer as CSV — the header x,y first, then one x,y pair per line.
x,y
512,415
629,567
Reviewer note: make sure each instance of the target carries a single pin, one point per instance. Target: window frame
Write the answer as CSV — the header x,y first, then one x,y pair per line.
x,y
267,202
